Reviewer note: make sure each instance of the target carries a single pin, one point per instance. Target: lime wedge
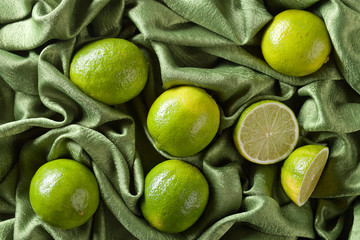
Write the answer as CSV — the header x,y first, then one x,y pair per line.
x,y
267,132
302,170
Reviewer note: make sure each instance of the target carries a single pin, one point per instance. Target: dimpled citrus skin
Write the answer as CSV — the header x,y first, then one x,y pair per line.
x,y
64,193
296,43
183,120
176,194
110,70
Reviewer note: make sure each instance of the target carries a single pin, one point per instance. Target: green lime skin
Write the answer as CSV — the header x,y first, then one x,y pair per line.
x,y
176,195
183,120
296,43
110,70
64,193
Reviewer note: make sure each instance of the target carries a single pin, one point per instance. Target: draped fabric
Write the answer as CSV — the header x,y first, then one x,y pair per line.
x,y
212,44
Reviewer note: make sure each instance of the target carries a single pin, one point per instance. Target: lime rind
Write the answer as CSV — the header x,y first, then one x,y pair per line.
x,y
110,70
296,43
64,193
183,121
264,142
312,176
175,196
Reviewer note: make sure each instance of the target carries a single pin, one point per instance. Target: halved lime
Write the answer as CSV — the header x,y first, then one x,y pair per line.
x,y
267,132
302,170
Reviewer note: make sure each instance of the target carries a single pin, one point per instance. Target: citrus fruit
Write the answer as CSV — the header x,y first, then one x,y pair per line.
x,y
110,70
175,196
183,120
266,132
296,43
64,193
301,172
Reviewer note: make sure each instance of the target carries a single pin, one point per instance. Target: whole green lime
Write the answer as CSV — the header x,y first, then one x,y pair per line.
x,y
176,195
64,193
183,120
296,43
110,70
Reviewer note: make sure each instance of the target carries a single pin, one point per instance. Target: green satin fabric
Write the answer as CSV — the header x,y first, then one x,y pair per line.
x,y
213,44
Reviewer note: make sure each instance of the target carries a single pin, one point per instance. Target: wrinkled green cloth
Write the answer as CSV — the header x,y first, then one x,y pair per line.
x,y
213,44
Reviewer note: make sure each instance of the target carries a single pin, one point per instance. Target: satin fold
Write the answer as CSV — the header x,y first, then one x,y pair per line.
x,y
207,43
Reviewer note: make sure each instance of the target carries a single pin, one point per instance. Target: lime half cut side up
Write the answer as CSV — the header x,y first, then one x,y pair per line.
x,y
267,132
302,170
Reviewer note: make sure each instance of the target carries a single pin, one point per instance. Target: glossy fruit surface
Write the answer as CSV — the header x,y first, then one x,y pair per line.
x,y
176,195
64,193
183,120
296,43
110,70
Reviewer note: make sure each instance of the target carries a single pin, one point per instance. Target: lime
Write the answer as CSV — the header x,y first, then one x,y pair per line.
x,y
110,70
64,193
183,120
267,132
302,170
176,194
296,43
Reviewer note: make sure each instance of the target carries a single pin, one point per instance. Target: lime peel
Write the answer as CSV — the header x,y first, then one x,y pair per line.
x,y
296,43
64,193
110,70
176,194
183,121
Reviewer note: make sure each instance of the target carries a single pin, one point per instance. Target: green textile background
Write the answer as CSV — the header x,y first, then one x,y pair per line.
x,y
213,44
